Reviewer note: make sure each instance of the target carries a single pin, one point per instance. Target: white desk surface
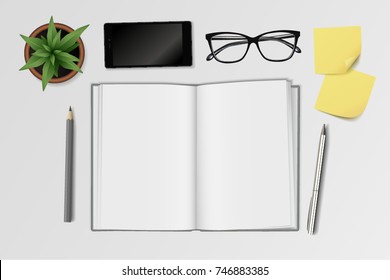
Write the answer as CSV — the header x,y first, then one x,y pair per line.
x,y
354,219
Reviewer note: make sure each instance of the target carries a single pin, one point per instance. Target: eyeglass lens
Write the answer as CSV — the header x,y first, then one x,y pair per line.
x,y
229,47
277,45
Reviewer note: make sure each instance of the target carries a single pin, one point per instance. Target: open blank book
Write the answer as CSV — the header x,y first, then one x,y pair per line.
x,y
208,157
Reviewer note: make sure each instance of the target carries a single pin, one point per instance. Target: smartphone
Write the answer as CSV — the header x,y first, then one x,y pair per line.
x,y
147,44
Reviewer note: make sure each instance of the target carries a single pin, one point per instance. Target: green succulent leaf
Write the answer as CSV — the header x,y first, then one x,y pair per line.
x,y
51,32
56,40
56,67
52,59
47,73
70,66
47,48
70,39
63,56
44,40
33,62
71,48
41,53
34,43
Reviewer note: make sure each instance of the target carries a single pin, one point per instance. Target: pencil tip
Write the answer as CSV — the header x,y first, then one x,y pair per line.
x,y
70,108
323,131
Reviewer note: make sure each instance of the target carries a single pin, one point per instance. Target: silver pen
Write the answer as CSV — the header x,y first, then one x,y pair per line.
x,y
311,219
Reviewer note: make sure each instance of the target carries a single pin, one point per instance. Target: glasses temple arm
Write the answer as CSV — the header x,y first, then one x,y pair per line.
x,y
211,55
288,44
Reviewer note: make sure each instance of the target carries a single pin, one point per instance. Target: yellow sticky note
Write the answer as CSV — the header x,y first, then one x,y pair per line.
x,y
345,95
336,49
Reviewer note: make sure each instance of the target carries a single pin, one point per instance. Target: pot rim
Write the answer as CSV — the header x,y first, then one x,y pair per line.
x,y
71,74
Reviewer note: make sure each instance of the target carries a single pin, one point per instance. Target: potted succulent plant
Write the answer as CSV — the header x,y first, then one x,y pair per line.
x,y
54,52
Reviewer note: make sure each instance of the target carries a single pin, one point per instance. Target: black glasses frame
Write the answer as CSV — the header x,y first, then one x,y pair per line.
x,y
254,40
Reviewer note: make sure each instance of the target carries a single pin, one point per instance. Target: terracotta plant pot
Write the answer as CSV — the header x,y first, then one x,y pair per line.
x,y
63,74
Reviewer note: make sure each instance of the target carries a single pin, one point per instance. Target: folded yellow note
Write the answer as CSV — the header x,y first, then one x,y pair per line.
x,y
336,49
345,95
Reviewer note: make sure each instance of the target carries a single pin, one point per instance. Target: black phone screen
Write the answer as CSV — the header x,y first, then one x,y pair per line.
x,y
145,44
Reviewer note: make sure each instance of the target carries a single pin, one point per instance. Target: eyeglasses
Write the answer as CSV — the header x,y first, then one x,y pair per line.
x,y
231,47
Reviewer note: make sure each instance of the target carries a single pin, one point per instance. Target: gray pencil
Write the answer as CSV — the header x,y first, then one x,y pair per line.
x,y
68,167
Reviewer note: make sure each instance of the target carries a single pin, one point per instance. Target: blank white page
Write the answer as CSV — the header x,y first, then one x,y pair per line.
x,y
243,156
146,157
